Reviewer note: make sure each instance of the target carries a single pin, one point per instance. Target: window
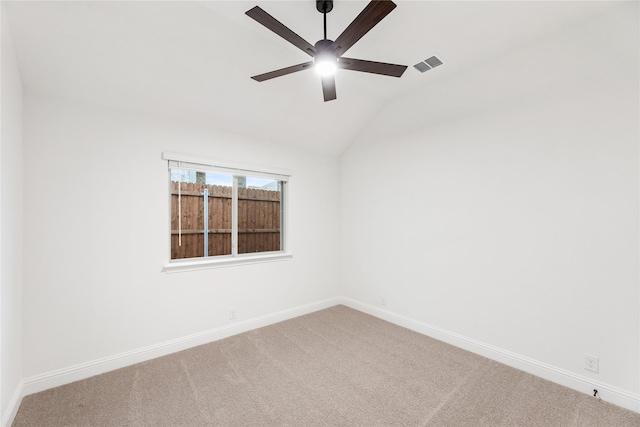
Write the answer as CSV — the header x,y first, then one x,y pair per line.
x,y
221,215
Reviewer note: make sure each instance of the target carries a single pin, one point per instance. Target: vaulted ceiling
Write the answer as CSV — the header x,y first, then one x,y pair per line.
x,y
192,61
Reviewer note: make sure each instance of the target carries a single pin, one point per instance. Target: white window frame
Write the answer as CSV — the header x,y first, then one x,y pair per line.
x,y
201,164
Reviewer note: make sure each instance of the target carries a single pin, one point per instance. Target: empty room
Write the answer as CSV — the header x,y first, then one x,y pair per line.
x,y
315,213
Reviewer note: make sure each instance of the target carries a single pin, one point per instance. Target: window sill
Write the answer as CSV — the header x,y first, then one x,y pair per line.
x,y
201,264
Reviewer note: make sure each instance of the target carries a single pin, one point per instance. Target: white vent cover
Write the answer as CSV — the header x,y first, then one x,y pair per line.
x,y
428,64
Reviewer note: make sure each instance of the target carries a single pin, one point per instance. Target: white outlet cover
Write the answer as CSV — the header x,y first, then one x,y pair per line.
x,y
591,363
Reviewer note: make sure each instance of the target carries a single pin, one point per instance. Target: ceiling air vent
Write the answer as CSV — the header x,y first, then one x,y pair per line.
x,y
428,64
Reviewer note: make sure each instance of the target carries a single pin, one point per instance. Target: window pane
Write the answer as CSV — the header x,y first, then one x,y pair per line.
x,y
191,236
259,214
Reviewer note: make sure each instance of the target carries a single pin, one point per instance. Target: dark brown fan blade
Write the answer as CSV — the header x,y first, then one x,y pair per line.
x,y
280,29
383,68
368,18
329,88
282,71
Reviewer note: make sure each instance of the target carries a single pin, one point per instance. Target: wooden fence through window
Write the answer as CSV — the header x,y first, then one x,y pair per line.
x,y
258,220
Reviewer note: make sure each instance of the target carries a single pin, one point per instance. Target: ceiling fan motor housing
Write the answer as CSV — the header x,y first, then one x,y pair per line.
x,y
324,45
325,52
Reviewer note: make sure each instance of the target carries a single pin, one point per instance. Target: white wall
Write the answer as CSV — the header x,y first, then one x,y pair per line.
x,y
11,160
502,204
96,222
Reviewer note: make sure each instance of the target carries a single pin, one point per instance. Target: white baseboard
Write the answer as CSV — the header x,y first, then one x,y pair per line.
x,y
12,408
95,367
557,375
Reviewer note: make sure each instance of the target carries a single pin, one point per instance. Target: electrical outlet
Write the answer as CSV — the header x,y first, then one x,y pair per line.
x,y
383,301
591,363
232,314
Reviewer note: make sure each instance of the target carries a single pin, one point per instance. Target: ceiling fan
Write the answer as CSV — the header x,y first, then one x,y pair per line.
x,y
327,54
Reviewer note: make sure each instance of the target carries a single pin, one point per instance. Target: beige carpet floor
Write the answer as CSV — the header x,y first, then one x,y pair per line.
x,y
336,367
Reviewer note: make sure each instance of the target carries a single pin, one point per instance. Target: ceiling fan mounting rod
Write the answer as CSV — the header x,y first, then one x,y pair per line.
x,y
324,7
325,25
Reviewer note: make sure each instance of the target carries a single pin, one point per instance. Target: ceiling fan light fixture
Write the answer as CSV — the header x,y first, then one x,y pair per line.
x,y
326,65
325,60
